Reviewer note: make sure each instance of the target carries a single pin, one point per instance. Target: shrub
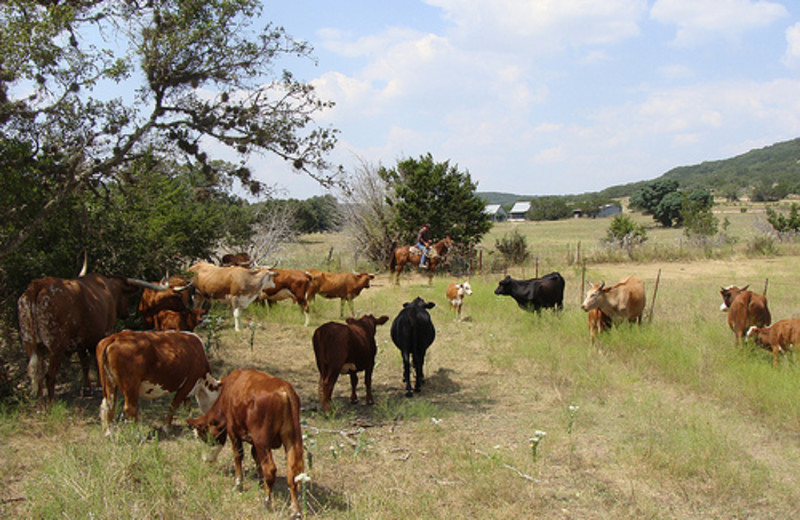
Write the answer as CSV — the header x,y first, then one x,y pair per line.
x,y
513,247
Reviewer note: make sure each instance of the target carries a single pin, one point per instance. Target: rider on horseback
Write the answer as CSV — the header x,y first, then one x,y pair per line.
x,y
423,242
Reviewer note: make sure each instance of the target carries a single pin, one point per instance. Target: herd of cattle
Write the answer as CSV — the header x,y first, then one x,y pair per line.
x,y
58,317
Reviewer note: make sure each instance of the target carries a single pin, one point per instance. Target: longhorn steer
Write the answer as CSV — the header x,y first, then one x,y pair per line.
x,y
413,332
623,301
745,309
152,364
349,348
345,286
255,407
238,285
289,283
58,317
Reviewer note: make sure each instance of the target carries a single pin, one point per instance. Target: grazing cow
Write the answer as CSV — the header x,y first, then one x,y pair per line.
x,y
152,364
237,260
176,298
456,292
745,309
598,322
238,285
58,317
536,293
413,332
289,283
623,301
782,335
346,349
185,320
345,286
255,407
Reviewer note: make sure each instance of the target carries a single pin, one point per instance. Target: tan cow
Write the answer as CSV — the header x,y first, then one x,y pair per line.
x,y
238,285
345,286
264,411
783,335
623,301
289,283
456,292
58,317
152,364
598,322
745,309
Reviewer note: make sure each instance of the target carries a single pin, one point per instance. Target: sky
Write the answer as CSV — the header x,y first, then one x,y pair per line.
x,y
545,97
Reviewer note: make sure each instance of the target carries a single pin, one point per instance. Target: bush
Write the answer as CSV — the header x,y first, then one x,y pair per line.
x,y
513,247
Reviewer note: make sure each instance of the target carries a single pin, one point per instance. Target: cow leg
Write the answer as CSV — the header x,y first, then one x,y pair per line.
x,y
326,390
131,394
53,364
419,360
368,385
267,469
407,374
353,384
107,407
236,313
180,396
238,455
294,467
83,356
36,370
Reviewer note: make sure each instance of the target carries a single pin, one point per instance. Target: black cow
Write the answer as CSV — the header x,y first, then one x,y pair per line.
x,y
536,293
413,332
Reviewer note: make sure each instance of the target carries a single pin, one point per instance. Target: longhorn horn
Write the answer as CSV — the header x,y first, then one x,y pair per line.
x,y
85,265
147,285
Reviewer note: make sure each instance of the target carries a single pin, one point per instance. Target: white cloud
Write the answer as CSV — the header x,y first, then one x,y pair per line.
x,y
700,21
792,56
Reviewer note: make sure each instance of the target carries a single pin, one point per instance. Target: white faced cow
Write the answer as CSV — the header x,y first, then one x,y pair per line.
x,y
239,285
623,301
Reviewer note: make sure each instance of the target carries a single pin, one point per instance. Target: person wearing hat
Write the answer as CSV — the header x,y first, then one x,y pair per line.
x,y
423,242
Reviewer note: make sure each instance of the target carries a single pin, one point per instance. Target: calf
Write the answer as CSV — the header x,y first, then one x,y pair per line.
x,y
623,301
782,335
413,332
598,322
745,309
536,293
178,320
264,411
345,286
346,349
153,364
455,295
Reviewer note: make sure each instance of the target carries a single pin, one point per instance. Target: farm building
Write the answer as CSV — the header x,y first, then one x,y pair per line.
x,y
496,212
609,210
520,210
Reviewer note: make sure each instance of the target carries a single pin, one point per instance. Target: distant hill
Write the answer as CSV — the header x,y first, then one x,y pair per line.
x,y
775,164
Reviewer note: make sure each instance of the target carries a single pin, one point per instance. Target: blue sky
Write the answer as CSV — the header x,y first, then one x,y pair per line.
x,y
545,97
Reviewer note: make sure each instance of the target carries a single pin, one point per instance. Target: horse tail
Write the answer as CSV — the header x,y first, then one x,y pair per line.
x,y
393,259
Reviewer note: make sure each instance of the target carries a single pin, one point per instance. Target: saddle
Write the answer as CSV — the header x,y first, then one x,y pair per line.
x,y
414,250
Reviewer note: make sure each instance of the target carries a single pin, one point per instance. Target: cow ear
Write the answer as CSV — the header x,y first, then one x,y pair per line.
x,y
745,287
382,320
430,305
350,321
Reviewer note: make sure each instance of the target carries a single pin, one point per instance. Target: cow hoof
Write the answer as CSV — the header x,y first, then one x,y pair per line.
x,y
417,390
409,393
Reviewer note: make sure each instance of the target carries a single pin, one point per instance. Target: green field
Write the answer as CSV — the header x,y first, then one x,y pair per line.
x,y
668,420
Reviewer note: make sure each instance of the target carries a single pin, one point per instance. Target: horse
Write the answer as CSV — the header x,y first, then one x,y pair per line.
x,y
411,254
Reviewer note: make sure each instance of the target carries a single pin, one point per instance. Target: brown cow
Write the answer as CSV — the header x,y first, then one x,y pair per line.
x,y
598,322
289,283
745,309
238,285
265,411
455,295
58,317
623,301
238,260
185,320
176,298
782,335
346,349
345,286
152,364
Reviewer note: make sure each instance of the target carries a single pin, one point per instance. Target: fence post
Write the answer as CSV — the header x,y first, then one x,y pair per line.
x,y
583,283
766,284
655,292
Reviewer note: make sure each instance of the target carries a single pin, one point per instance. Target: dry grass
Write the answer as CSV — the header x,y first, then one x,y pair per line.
x,y
673,420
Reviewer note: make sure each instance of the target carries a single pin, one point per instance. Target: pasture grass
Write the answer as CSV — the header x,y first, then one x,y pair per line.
x,y
670,419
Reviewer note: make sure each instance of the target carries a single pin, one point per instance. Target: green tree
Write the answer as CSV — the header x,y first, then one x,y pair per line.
x,y
200,76
650,196
424,191
782,223
549,208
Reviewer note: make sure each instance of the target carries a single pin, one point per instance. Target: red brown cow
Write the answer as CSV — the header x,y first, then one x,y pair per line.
x,y
152,364
58,317
745,309
265,411
456,292
185,320
289,283
346,349
176,298
781,336
238,285
623,301
345,286
598,322
238,260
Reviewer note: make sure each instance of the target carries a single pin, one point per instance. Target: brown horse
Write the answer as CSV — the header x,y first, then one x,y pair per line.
x,y
411,254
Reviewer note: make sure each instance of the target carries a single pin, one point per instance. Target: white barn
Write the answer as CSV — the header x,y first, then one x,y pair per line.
x,y
520,210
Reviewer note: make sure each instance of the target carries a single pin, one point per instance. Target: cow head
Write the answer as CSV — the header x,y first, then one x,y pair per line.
x,y
594,295
419,303
729,294
368,322
466,288
212,432
504,286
